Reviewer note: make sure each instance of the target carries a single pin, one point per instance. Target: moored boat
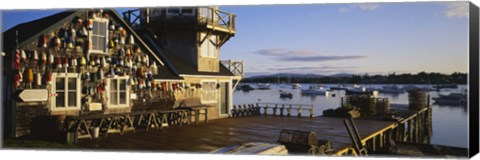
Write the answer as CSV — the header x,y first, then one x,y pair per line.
x,y
264,86
316,90
296,85
391,89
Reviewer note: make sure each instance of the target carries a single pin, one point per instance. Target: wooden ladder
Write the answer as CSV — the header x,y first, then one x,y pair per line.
x,y
355,137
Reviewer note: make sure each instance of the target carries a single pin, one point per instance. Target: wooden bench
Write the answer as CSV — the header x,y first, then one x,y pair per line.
x,y
108,123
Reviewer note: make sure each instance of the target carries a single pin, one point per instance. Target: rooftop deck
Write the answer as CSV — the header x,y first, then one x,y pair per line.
x,y
228,131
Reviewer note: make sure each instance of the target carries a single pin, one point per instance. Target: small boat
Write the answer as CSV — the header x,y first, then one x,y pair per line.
x,y
357,90
316,90
265,86
391,89
246,87
296,85
451,99
339,87
448,86
285,94
413,87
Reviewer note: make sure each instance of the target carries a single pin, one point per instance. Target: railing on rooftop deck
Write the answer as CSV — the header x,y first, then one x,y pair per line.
x,y
216,18
236,67
209,16
275,109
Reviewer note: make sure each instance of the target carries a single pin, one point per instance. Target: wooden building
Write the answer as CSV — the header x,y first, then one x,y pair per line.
x,y
188,40
93,62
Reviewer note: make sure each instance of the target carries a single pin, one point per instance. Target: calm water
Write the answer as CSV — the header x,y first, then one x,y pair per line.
x,y
449,122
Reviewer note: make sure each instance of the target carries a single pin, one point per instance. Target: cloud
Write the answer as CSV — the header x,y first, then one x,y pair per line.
x,y
321,58
283,52
456,9
362,7
303,55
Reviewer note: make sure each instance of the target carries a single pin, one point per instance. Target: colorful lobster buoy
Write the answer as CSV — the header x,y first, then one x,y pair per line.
x,y
90,24
17,59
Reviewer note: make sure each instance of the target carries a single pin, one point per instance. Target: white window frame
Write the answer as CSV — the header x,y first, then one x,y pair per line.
x,y
215,96
109,93
90,34
210,45
66,76
180,11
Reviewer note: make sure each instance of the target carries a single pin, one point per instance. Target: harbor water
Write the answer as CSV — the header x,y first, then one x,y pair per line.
x,y
449,124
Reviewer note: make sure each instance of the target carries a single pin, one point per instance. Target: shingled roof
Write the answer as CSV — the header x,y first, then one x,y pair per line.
x,y
25,33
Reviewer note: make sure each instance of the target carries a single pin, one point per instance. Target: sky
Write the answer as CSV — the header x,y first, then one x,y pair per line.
x,y
326,39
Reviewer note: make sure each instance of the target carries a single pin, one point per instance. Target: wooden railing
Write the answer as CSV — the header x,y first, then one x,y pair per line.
x,y
216,18
275,109
236,67
416,128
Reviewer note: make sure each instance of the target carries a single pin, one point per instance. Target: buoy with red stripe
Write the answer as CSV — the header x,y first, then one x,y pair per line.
x,y
59,62
43,41
18,79
17,59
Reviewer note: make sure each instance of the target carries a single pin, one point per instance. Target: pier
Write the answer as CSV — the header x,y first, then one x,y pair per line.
x,y
263,123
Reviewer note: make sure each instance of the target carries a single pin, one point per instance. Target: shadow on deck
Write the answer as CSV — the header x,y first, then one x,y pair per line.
x,y
229,131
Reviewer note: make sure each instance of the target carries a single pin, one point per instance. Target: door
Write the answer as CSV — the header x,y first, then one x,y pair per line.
x,y
224,97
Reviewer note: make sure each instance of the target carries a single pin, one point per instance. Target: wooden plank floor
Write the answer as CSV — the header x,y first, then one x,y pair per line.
x,y
229,131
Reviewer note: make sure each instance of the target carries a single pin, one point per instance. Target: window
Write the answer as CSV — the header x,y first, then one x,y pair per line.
x,y
181,11
99,36
208,47
67,90
118,94
209,92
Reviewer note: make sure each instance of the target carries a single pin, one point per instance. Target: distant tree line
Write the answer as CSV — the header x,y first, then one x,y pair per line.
x,y
405,78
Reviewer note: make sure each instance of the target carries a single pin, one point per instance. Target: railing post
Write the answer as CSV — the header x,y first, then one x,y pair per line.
x,y
281,110
275,110
265,109
234,111
311,111
299,111
289,111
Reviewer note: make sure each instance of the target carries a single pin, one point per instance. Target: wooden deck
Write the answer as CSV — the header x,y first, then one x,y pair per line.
x,y
228,131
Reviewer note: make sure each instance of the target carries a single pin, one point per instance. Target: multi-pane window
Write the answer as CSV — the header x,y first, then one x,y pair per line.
x,y
209,92
118,93
99,36
67,92
181,11
208,47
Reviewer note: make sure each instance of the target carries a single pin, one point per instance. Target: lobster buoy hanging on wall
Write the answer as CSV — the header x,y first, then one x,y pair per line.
x,y
59,62
42,41
154,68
90,24
30,76
131,40
23,56
48,77
51,59
18,79
44,58
39,79
74,62
17,59
83,61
